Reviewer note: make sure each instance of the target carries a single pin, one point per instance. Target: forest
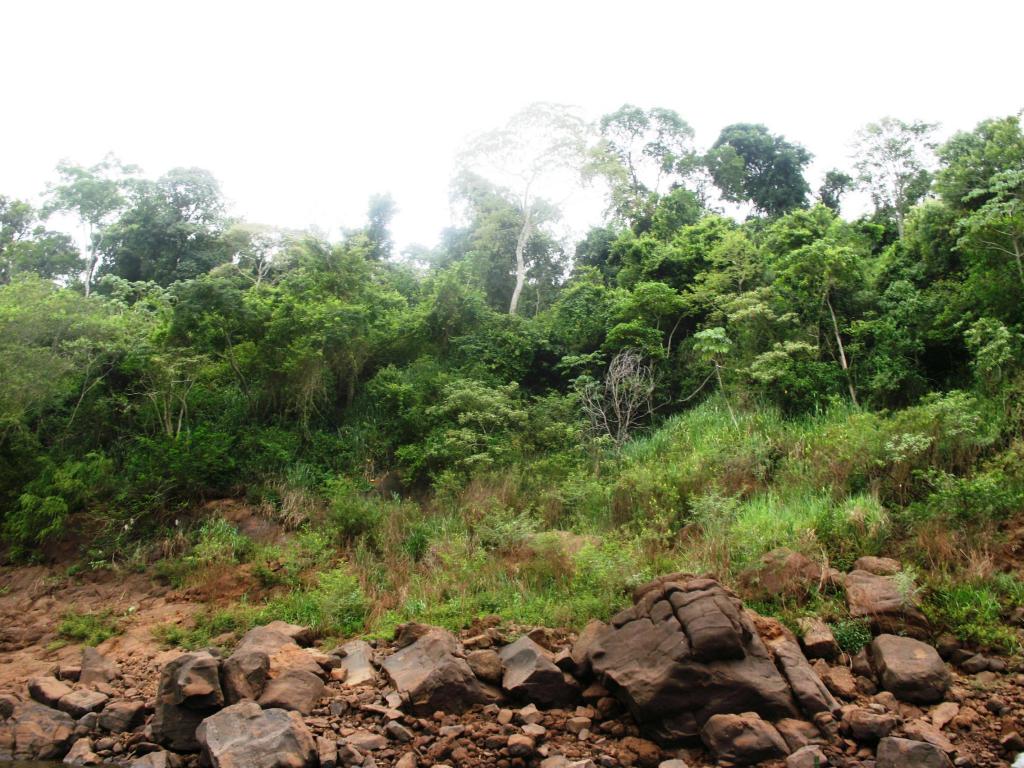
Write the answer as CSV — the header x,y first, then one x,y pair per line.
x,y
515,424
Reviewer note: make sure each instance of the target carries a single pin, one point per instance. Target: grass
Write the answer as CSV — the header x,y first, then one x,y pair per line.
x,y
87,628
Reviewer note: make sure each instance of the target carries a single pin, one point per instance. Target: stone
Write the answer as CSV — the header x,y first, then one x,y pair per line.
x,y
47,690
894,752
431,677
520,745
39,732
531,675
357,661
686,651
879,599
486,665
398,732
743,739
879,566
975,664
189,691
810,756
366,741
944,713
245,736
810,692
817,639
295,689
121,716
781,573
157,759
798,733
408,633
327,752
81,754
910,669
922,730
268,652
97,668
80,703
840,681
580,652
868,726
408,760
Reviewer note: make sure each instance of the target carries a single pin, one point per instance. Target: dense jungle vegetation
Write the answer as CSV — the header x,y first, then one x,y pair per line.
x,y
510,424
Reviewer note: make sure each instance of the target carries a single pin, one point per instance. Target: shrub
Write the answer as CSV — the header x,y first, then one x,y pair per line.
x,y
352,513
87,628
851,634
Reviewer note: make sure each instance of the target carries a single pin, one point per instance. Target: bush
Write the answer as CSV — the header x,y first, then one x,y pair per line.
x,y
87,628
851,634
973,612
352,513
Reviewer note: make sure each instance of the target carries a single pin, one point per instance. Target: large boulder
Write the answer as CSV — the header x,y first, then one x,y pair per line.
x,y
431,675
189,691
47,690
743,739
80,703
122,716
909,669
357,661
901,753
246,736
295,689
810,691
37,732
97,668
265,653
531,675
781,572
686,651
880,600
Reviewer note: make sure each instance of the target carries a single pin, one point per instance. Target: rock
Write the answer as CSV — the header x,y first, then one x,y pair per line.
x,y
121,716
158,759
432,677
327,752
189,691
39,732
580,653
357,661
810,756
395,730
879,599
531,675
79,703
977,663
811,693
408,760
944,713
798,733
818,641
840,681
486,665
921,730
97,668
520,745
901,753
910,669
81,754
365,741
743,739
781,572
47,690
295,689
673,763
684,652
408,633
245,736
865,725
244,674
298,634
267,652
879,566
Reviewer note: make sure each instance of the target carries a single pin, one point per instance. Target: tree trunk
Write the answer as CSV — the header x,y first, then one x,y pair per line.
x,y
842,352
521,241
91,270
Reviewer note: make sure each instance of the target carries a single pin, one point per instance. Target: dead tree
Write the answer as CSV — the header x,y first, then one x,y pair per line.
x,y
616,406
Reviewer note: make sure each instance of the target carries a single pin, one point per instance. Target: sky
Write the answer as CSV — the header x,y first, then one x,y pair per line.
x,y
304,109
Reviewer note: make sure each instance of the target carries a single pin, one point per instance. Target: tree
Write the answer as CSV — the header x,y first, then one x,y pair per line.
x,y
381,211
638,152
998,225
892,164
617,406
28,247
96,194
171,231
712,345
836,184
749,164
531,150
971,158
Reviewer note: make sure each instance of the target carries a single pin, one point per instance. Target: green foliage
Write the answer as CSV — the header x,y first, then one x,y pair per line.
x,y
87,628
851,634
972,612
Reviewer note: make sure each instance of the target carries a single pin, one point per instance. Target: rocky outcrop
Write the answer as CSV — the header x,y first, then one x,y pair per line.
x,y
431,675
36,732
687,651
246,736
265,653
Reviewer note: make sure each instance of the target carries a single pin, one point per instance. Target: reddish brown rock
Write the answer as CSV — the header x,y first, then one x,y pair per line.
x,y
743,739
910,669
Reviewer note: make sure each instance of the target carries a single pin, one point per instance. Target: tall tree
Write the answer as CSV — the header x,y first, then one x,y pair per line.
x,y
96,194
639,152
381,211
749,164
27,246
535,147
892,164
836,184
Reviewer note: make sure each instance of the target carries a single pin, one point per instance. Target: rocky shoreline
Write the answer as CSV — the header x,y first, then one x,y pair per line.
x,y
687,676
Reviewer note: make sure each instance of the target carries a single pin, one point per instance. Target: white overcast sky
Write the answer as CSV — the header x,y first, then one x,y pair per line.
x,y
304,109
